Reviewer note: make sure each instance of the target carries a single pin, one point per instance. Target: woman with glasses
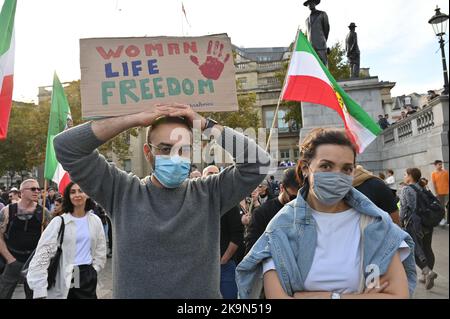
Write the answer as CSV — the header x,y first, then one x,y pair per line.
x,y
83,251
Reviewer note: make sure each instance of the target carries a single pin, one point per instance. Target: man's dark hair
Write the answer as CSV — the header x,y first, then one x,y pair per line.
x,y
166,120
390,171
437,162
67,203
290,179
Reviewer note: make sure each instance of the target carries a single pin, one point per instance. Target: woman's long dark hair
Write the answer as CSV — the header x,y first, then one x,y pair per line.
x,y
67,203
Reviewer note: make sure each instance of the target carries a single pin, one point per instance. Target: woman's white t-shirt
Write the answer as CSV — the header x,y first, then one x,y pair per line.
x,y
337,260
83,254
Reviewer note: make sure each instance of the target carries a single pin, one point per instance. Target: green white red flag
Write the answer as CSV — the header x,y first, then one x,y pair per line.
x,y
58,122
6,63
308,80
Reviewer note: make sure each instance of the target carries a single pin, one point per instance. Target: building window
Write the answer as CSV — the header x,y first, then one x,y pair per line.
x,y
283,126
407,100
284,154
242,80
269,118
273,80
127,165
296,154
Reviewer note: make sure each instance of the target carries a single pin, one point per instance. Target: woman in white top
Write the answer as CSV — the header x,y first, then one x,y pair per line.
x,y
327,162
83,251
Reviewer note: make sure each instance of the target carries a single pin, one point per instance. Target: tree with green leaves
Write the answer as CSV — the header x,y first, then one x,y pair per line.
x,y
245,117
337,64
22,149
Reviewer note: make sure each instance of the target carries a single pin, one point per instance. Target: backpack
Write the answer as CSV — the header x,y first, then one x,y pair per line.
x,y
428,208
12,213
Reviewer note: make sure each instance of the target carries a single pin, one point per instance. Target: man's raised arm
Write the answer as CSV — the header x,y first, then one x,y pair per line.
x,y
76,151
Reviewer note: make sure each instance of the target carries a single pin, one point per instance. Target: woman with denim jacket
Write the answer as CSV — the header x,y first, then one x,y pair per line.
x,y
83,250
332,241
411,222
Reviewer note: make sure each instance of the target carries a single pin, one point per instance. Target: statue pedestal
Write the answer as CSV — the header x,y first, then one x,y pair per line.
x,y
368,93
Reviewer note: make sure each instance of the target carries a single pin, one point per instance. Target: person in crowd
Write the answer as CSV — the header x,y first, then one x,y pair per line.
x,y
377,191
165,219
411,222
386,116
390,181
231,237
14,195
274,185
382,122
262,215
327,242
381,176
431,95
21,225
410,110
83,250
262,194
4,199
195,174
51,196
57,207
439,177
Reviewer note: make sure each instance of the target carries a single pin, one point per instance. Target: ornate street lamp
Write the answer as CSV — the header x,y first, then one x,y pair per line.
x,y
439,24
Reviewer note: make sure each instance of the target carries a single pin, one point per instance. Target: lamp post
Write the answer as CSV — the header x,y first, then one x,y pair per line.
x,y
439,24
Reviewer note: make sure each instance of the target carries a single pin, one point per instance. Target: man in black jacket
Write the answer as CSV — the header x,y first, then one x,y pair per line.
x,y
262,215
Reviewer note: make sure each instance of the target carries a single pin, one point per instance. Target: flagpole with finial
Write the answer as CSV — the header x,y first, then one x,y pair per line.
x,y
280,98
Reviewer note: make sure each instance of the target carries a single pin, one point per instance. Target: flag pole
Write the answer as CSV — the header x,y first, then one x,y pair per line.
x,y
43,205
280,97
275,118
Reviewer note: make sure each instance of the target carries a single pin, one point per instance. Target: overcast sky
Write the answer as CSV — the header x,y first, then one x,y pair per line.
x,y
395,39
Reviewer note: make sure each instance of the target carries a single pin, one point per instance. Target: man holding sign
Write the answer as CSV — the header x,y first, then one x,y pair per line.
x,y
167,227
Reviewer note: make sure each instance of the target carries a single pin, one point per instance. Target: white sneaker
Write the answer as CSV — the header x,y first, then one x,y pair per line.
x,y
443,222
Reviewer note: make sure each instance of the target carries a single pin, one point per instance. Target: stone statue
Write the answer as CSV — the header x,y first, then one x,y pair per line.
x,y
351,46
318,29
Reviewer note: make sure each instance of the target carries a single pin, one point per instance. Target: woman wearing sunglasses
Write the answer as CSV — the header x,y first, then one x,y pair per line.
x,y
83,251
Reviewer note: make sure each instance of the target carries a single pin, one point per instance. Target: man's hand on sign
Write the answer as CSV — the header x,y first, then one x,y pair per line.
x,y
212,67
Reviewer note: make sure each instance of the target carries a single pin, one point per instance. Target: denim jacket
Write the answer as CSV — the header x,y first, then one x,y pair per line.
x,y
290,240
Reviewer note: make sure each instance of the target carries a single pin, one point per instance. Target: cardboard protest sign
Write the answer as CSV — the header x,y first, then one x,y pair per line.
x,y
128,75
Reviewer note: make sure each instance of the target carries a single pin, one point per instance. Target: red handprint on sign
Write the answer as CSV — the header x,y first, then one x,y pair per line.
x,y
212,68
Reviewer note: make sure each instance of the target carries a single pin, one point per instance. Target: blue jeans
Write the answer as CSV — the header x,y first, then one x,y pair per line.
x,y
228,287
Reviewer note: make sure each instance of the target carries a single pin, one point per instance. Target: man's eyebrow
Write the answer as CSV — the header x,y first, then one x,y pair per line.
x,y
165,144
327,161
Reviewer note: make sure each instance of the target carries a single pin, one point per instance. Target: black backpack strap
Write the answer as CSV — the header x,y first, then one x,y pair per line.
x,y
417,190
61,231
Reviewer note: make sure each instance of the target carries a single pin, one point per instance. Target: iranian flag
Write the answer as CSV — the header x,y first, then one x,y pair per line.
x,y
308,80
6,63
58,122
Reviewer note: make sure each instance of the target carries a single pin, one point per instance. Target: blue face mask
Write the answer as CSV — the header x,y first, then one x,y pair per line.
x,y
171,171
